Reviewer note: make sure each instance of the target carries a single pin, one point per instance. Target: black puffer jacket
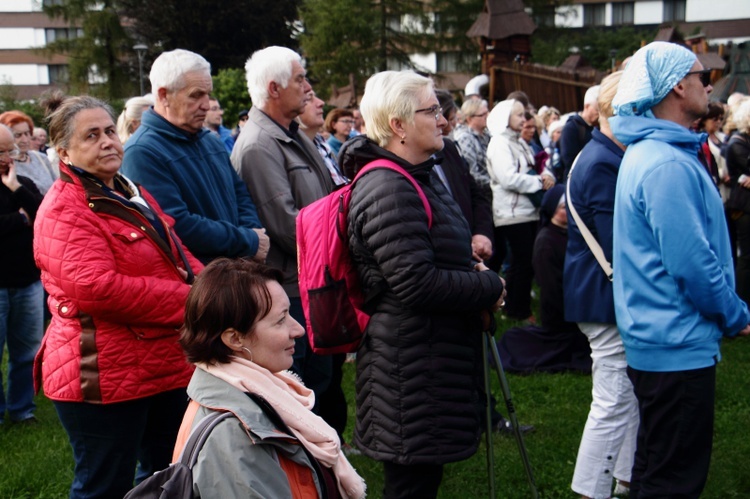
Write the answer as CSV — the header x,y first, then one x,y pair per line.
x,y
419,368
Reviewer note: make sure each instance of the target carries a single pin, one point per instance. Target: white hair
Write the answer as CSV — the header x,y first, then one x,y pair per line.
x,y
267,65
742,117
391,94
592,95
169,69
130,114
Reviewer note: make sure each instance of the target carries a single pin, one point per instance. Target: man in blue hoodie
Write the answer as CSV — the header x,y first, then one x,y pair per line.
x,y
673,278
187,168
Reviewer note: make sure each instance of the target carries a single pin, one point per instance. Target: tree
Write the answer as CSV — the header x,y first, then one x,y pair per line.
x,y
225,33
230,87
343,37
95,62
551,47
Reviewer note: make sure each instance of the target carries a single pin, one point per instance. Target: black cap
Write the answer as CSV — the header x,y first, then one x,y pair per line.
x,y
243,113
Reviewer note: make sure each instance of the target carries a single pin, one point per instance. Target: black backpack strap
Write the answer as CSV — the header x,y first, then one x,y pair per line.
x,y
199,435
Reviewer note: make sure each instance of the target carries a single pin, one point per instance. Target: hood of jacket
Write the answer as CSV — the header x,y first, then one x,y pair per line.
x,y
357,152
632,129
497,121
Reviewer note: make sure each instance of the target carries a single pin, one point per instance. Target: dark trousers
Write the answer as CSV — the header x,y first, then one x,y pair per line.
x,y
419,481
675,434
108,440
332,403
520,272
315,370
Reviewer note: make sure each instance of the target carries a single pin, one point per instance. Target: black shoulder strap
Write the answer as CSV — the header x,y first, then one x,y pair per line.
x,y
199,435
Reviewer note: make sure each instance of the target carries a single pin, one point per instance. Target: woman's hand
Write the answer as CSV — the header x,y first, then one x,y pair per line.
x,y
745,182
547,182
500,303
9,178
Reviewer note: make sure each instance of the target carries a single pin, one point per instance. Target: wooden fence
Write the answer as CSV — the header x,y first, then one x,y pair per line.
x,y
559,87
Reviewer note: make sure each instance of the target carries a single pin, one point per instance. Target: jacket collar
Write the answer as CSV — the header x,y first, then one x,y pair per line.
x,y
217,394
357,152
151,119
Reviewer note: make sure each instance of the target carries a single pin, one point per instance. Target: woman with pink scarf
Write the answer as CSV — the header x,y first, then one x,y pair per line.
x,y
240,336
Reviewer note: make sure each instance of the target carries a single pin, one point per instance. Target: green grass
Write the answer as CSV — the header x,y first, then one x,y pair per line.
x,y
36,462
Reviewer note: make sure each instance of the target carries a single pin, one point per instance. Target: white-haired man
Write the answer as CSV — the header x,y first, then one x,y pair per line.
x,y
186,167
673,275
577,130
284,172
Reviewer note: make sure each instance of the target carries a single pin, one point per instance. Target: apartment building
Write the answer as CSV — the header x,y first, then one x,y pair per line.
x,y
722,21
24,28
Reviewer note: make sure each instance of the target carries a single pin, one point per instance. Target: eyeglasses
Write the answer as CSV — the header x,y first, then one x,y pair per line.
x,y
435,110
348,122
704,75
480,115
11,154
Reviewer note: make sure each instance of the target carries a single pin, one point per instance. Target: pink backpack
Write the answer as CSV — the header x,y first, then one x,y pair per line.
x,y
329,287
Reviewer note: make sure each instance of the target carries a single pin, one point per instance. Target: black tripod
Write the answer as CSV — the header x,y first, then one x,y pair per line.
x,y
489,346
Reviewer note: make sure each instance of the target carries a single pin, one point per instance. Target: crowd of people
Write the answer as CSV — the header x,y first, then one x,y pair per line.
x,y
164,245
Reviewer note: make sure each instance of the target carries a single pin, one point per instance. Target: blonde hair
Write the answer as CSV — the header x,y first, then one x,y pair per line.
x,y
388,95
472,106
130,117
742,116
607,93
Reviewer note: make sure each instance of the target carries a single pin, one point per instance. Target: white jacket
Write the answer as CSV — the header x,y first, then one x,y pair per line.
x,y
509,159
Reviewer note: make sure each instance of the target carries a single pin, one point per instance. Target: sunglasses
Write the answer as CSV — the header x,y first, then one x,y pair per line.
x,y
704,75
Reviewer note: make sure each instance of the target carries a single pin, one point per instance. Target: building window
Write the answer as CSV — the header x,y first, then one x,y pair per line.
x,y
544,15
674,10
394,23
622,13
52,34
593,14
448,62
58,74
445,24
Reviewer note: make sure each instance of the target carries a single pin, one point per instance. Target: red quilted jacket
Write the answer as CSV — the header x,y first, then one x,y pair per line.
x,y
116,296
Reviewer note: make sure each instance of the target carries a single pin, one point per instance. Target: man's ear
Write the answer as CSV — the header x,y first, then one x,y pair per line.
x,y
679,89
161,97
273,89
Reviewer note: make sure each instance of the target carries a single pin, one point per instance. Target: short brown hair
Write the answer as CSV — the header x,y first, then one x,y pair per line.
x,y
334,115
227,294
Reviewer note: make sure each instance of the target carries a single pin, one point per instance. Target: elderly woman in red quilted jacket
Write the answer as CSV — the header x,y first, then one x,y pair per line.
x,y
118,278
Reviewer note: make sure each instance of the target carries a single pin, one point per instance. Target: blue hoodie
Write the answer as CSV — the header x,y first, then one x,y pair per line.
x,y
194,182
673,274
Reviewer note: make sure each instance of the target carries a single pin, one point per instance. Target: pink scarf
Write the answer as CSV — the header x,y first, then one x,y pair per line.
x,y
293,401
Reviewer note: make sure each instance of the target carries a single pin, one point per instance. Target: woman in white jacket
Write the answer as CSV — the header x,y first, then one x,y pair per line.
x,y
510,163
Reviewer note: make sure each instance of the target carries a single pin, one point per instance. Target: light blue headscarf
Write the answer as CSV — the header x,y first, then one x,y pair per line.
x,y
649,76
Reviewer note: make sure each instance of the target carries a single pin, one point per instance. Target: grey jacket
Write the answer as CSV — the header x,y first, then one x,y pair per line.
x,y
282,176
239,459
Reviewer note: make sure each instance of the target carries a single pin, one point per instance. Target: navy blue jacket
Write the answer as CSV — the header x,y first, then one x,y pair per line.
x,y
587,291
575,134
193,181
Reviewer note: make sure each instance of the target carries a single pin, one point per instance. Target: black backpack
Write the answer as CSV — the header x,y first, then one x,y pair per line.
x,y
176,482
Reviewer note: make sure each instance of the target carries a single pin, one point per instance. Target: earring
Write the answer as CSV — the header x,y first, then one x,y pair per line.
x,y
402,139
248,351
